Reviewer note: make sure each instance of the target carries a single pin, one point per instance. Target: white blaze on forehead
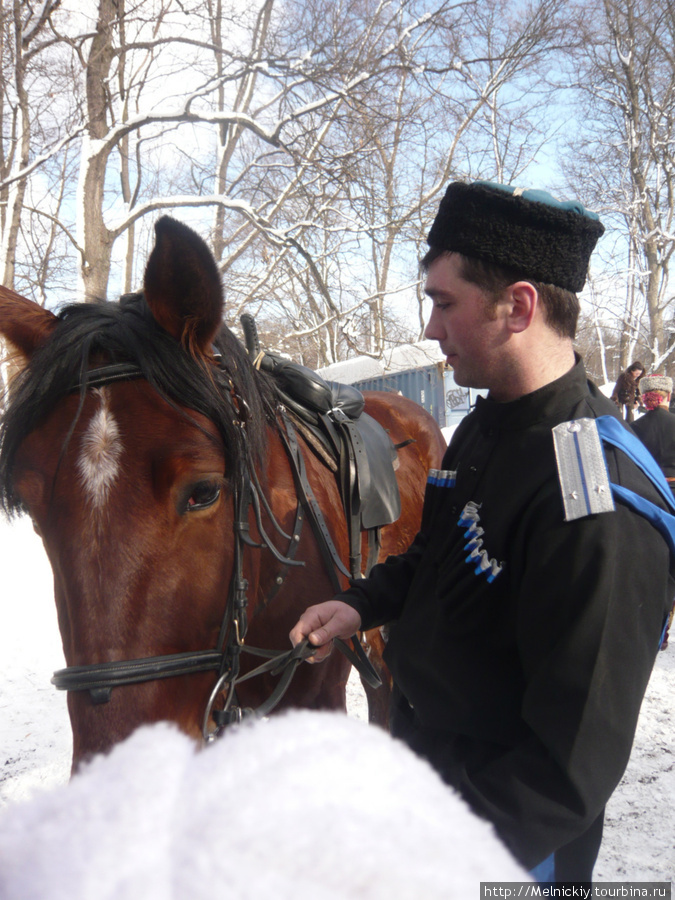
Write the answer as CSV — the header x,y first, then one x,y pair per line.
x,y
101,449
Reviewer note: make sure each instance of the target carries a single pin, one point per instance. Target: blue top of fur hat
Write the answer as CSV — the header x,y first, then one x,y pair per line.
x,y
537,196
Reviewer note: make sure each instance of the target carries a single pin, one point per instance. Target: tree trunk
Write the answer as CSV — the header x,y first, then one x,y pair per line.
x,y
93,235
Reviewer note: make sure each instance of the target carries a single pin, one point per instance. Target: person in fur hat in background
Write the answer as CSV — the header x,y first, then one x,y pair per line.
x,y
626,393
656,429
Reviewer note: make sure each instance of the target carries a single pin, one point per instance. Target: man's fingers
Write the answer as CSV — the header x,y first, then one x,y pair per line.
x,y
320,624
323,642
311,652
319,637
306,627
322,651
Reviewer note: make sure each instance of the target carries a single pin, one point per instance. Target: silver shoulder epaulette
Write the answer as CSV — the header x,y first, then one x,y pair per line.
x,y
582,470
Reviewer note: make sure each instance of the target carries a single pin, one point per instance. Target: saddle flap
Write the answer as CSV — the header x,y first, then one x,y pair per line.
x,y
374,454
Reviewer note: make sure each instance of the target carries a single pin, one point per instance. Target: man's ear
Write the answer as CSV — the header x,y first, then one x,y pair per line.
x,y
524,301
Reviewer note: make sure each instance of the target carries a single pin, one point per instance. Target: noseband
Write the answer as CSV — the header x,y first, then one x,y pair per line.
x,y
100,678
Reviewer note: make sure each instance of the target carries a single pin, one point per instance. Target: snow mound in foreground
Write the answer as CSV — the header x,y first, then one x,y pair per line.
x,y
306,805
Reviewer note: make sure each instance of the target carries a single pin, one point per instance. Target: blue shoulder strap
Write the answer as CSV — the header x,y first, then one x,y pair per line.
x,y
614,433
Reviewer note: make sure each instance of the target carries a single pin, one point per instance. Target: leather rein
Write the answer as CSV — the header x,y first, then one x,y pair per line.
x,y
100,678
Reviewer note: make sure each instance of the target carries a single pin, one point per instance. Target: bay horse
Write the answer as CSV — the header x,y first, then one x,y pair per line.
x,y
152,457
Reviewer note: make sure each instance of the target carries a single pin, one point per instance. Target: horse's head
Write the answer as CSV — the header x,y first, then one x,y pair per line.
x,y
129,483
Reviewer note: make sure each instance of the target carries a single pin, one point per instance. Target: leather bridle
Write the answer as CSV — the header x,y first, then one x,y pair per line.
x,y
100,678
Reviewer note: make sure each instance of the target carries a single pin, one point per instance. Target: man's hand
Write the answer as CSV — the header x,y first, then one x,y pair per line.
x,y
322,623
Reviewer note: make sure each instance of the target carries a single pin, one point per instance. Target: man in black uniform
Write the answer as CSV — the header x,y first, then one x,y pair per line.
x,y
529,607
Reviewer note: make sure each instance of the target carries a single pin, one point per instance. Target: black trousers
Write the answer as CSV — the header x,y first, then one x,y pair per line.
x,y
575,861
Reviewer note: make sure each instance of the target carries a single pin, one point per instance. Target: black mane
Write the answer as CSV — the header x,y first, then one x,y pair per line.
x,y
127,332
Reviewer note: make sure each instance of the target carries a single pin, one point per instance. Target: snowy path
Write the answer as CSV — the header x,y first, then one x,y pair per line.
x,y
639,843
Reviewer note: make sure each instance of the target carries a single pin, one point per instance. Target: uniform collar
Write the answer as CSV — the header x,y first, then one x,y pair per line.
x,y
541,405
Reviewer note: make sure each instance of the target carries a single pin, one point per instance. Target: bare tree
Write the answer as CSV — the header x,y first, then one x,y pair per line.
x,y
24,109
624,162
454,92
314,138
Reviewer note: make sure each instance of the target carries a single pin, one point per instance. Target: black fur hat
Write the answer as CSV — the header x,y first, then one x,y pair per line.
x,y
530,231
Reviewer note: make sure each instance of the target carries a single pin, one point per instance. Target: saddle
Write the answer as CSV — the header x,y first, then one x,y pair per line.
x,y
363,456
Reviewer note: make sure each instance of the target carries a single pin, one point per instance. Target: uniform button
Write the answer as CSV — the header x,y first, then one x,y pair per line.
x,y
473,470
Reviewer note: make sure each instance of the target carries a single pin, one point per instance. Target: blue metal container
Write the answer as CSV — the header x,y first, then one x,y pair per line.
x,y
432,386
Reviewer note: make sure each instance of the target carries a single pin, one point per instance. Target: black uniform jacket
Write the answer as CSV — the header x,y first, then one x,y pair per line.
x,y
656,430
523,687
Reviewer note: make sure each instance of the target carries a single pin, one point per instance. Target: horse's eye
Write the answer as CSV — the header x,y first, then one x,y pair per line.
x,y
203,495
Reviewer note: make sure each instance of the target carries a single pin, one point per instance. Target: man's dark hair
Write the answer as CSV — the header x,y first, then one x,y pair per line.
x,y
561,307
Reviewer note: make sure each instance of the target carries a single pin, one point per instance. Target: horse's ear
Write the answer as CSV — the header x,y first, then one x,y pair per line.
x,y
182,286
25,325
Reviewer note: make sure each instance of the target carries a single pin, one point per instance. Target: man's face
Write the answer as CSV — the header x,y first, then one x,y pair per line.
x,y
467,326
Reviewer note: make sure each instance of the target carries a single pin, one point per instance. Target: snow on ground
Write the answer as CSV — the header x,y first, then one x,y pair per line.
x,y
35,741
639,843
